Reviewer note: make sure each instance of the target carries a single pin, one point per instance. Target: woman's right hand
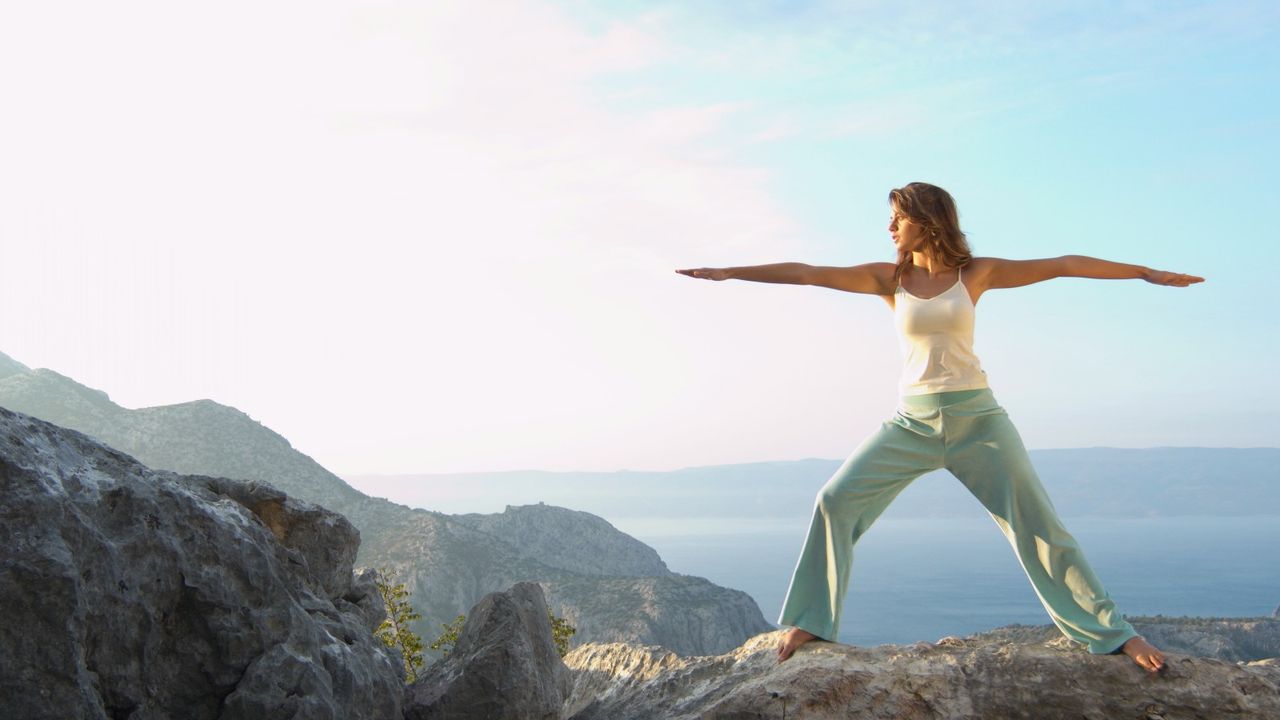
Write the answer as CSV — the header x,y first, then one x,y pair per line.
x,y
1164,277
707,273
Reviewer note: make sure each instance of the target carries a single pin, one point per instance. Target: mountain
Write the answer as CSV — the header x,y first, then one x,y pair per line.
x,y
9,366
1099,482
448,563
570,539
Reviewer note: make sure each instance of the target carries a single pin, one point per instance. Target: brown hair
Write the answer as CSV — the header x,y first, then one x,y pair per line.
x,y
932,208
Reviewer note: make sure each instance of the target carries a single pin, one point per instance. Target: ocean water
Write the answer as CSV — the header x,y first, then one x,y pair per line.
x,y
923,579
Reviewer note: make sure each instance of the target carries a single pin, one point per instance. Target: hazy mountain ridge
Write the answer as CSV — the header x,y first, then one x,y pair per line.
x,y
1099,482
197,437
9,366
570,539
44,391
449,565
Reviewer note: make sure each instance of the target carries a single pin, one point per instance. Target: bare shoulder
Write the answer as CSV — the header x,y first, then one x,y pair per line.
x,y
979,268
978,275
883,273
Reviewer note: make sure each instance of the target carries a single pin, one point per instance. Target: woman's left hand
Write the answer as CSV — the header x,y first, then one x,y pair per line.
x,y
1163,277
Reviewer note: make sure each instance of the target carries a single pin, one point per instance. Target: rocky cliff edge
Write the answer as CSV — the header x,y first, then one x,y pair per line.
x,y
956,679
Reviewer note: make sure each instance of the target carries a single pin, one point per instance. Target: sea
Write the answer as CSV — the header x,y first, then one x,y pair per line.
x,y
925,579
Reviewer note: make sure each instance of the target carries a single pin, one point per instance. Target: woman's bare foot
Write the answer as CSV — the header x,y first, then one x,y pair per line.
x,y
794,639
1143,653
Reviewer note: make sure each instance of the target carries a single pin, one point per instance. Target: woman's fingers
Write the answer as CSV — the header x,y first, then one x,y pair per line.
x,y
705,273
1176,279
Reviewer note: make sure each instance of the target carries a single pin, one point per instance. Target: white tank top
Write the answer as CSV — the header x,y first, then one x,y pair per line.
x,y
936,338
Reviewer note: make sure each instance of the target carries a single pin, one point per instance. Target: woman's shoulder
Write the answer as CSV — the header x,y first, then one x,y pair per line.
x,y
882,273
885,274
979,267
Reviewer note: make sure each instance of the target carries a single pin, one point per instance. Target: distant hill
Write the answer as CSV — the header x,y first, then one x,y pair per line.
x,y
1101,482
570,539
9,366
597,577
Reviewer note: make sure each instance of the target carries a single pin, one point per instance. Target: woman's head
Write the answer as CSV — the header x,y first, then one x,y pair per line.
x,y
928,213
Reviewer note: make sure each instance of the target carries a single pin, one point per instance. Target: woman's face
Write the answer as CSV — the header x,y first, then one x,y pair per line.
x,y
907,235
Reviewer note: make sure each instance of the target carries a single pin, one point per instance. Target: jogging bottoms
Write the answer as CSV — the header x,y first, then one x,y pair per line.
x,y
969,434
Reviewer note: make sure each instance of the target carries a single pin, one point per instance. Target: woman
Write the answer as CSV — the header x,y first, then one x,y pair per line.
x,y
947,417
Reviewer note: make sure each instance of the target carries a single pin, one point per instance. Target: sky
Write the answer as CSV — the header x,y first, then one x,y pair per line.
x,y
419,237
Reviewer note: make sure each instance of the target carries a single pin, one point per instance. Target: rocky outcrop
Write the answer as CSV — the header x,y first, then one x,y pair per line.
x,y
503,667
968,679
569,539
128,592
448,563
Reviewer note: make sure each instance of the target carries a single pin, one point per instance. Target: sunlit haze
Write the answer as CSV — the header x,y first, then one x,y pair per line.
x,y
419,237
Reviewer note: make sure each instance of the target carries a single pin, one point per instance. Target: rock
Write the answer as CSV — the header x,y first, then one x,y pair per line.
x,y
1234,639
128,592
503,667
958,679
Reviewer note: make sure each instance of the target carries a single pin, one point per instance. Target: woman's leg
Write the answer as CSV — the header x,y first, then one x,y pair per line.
x,y
845,508
986,453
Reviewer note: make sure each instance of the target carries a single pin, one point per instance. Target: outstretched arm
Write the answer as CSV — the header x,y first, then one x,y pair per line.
x,y
1016,273
872,278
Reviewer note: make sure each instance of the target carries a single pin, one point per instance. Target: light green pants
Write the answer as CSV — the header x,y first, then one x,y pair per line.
x,y
969,434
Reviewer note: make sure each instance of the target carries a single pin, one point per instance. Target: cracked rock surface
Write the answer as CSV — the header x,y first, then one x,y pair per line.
x,y
956,679
128,592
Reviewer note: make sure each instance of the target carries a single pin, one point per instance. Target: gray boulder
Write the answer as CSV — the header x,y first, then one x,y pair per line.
x,y
128,592
503,667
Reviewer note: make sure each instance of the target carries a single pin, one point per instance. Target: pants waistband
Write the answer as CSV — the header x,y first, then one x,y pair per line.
x,y
932,401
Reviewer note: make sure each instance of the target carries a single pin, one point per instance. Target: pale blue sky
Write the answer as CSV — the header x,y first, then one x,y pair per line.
x,y
430,237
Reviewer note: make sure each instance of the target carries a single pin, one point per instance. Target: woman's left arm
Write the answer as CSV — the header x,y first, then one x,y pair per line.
x,y
1016,273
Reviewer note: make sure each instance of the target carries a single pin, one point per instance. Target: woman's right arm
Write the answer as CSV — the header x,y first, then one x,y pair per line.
x,y
871,278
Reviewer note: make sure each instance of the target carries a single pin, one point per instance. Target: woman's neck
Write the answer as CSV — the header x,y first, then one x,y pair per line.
x,y
932,266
